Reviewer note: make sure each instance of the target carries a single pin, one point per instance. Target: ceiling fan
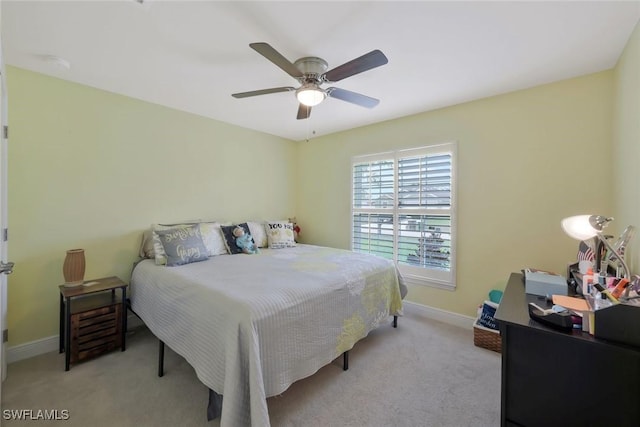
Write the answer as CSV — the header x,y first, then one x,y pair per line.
x,y
311,72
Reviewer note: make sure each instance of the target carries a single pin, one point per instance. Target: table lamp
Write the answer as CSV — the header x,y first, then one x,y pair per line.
x,y
583,227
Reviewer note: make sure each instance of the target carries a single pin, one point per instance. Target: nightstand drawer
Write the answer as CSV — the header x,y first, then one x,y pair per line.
x,y
94,348
91,314
95,331
105,330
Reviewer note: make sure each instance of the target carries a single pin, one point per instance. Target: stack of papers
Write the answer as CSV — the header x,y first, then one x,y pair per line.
x,y
571,303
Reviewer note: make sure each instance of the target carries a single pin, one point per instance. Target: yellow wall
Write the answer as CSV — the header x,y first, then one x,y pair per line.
x,y
91,169
525,161
626,144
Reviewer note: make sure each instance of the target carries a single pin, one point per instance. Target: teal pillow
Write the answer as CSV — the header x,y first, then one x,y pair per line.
x,y
183,245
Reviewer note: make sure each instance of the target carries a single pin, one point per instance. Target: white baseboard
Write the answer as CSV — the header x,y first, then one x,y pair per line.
x,y
33,348
440,315
46,345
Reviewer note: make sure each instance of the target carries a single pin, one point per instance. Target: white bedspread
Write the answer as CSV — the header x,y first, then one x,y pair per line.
x,y
251,325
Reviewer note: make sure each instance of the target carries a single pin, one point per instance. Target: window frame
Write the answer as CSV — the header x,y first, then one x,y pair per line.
x,y
413,274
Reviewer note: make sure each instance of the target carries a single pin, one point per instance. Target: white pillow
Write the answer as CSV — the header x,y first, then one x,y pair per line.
x,y
258,233
146,247
212,238
280,234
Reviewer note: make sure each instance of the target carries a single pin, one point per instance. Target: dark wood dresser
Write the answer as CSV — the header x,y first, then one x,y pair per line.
x,y
553,378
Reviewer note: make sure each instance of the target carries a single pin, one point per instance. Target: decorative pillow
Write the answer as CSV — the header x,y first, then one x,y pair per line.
x,y
212,238
258,233
158,251
146,247
230,239
183,245
280,235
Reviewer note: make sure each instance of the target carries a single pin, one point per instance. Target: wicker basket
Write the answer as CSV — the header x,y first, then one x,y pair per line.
x,y
487,338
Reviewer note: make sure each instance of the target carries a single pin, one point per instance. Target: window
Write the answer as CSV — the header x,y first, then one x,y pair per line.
x,y
403,209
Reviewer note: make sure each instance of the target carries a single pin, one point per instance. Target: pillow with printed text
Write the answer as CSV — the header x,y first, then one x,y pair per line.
x,y
183,245
280,235
157,251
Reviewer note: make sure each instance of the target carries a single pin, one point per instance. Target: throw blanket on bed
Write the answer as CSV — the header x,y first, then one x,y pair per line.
x,y
251,325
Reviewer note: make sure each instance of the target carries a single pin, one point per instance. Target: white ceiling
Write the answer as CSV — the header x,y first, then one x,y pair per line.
x,y
192,55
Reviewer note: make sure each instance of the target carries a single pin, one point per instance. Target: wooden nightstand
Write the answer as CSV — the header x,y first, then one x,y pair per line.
x,y
92,320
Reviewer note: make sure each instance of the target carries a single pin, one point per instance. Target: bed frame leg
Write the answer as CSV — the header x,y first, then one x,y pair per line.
x,y
395,321
345,360
161,359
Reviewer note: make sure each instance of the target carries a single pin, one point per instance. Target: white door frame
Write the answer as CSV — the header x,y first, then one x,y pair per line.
x,y
4,227
4,267
3,222
3,216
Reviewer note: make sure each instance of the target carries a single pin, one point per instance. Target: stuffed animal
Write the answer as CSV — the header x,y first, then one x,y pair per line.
x,y
244,241
296,229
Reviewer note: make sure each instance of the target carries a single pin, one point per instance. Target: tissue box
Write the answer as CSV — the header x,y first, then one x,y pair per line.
x,y
544,283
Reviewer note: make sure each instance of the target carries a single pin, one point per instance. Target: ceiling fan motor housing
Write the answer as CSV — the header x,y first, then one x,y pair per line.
x,y
312,67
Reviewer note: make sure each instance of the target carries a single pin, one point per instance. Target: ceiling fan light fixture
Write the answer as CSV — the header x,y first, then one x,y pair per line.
x,y
311,72
310,94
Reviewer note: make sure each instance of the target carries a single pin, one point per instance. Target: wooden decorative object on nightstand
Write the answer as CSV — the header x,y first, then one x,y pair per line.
x,y
93,320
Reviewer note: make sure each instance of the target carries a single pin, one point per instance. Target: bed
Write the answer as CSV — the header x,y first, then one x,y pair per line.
x,y
251,325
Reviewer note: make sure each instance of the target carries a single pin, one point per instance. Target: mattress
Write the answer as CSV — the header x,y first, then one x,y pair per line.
x,y
251,325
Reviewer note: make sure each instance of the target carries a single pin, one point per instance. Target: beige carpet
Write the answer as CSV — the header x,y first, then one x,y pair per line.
x,y
424,373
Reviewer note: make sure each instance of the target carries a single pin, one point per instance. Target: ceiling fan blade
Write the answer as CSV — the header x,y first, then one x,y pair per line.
x,y
352,97
303,112
370,60
263,92
274,56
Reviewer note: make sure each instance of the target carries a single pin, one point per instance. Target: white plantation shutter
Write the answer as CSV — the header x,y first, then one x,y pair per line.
x,y
373,184
424,181
404,209
374,199
373,233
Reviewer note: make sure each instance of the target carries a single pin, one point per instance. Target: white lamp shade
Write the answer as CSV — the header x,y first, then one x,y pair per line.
x,y
579,227
310,95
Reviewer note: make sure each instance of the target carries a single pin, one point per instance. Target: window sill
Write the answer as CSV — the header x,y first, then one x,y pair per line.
x,y
432,283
